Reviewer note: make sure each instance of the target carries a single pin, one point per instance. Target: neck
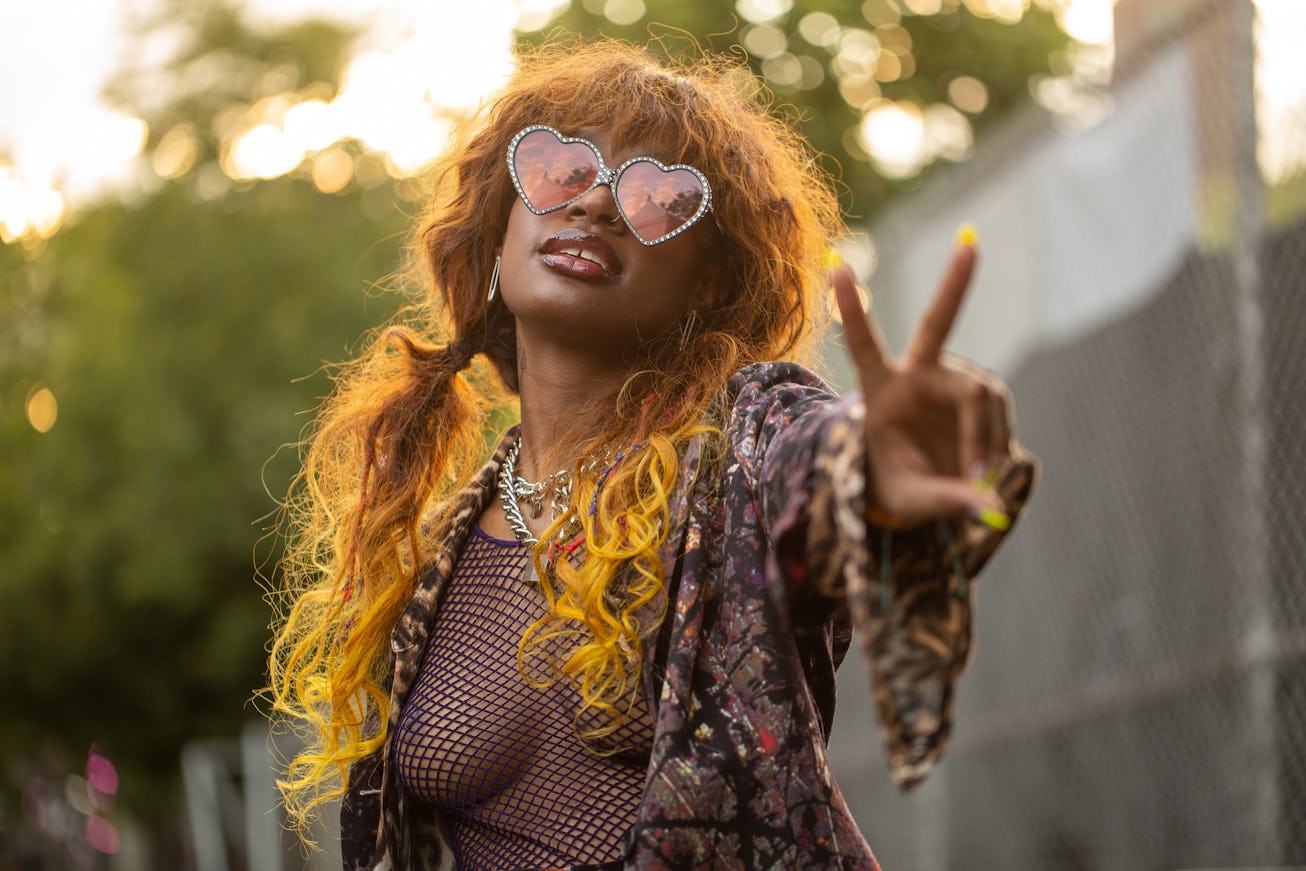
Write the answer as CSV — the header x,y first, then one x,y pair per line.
x,y
561,387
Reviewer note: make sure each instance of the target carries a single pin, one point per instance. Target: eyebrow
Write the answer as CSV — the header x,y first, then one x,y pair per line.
x,y
640,149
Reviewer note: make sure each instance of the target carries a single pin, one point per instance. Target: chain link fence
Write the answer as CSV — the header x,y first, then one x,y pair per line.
x,y
1137,697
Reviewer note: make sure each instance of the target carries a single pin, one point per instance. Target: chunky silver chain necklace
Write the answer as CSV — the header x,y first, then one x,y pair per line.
x,y
514,490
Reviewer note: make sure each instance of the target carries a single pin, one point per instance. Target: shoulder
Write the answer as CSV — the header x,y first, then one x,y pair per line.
x,y
445,522
780,388
775,374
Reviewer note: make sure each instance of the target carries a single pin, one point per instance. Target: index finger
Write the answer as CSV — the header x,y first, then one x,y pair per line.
x,y
866,348
927,343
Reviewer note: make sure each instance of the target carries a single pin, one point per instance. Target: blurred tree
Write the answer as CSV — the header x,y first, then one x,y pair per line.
x,y
171,333
178,334
218,64
832,61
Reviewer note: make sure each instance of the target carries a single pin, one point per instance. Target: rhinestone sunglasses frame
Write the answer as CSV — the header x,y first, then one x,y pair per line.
x,y
608,176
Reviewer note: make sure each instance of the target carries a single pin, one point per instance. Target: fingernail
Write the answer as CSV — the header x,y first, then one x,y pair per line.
x,y
994,519
983,476
966,235
832,258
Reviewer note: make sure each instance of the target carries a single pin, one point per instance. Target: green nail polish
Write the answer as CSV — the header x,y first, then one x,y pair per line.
x,y
994,519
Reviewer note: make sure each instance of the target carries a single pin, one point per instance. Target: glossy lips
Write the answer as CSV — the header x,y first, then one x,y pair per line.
x,y
657,202
580,254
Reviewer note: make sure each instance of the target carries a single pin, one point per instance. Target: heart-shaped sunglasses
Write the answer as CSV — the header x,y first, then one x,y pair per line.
x,y
657,202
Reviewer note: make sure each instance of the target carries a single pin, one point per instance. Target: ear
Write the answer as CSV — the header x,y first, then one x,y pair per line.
x,y
715,289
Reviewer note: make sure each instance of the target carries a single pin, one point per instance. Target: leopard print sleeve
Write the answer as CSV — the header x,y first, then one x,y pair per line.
x,y
907,592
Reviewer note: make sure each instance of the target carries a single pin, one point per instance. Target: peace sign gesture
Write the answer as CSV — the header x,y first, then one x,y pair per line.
x,y
937,427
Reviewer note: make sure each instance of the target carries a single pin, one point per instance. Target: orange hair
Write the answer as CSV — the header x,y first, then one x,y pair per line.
x,y
404,426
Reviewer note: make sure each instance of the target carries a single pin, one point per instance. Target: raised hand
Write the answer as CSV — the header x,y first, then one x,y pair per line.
x,y
937,427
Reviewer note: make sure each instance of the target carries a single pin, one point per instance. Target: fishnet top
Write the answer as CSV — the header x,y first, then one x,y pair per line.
x,y
498,758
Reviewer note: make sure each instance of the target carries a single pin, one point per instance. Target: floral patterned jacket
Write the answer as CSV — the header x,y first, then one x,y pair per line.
x,y
769,563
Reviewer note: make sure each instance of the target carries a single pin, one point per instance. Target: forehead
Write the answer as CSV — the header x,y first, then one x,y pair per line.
x,y
619,145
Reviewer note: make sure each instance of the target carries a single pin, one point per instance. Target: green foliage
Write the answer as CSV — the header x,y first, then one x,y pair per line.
x,y
944,46
176,335
183,335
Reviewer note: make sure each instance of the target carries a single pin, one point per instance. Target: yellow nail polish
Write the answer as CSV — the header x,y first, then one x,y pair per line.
x,y
832,258
994,519
966,234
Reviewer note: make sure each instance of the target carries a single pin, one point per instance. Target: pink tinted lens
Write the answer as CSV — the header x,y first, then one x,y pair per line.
x,y
550,171
658,201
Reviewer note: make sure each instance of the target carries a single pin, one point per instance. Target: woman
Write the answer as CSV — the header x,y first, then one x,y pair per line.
x,y
613,644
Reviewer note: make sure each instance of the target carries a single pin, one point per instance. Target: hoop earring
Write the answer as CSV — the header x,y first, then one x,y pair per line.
x,y
494,281
687,328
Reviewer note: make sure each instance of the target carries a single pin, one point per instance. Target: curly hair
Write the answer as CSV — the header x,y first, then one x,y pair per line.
x,y
405,424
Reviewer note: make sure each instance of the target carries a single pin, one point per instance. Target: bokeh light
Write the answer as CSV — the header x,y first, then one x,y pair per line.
x,y
784,70
947,133
758,11
765,41
894,38
176,152
881,12
332,170
312,125
27,210
42,408
924,7
893,134
1088,21
888,68
76,793
624,11
859,91
101,774
1007,11
263,152
819,28
858,48
968,94
102,834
